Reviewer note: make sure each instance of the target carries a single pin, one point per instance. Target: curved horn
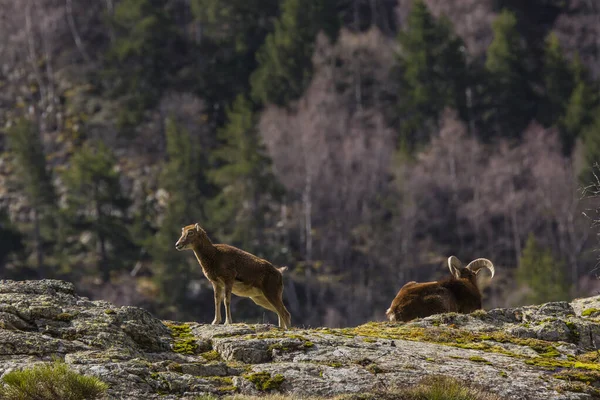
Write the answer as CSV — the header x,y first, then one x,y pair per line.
x,y
454,264
479,263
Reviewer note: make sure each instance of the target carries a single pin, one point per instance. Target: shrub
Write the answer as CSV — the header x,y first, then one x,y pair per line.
x,y
50,382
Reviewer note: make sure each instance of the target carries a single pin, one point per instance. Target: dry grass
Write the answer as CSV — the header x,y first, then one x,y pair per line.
x,y
434,387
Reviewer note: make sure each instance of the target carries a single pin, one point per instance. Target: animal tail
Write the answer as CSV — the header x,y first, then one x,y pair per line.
x,y
281,269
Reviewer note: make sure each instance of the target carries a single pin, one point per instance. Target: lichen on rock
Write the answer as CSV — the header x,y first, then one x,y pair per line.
x,y
506,351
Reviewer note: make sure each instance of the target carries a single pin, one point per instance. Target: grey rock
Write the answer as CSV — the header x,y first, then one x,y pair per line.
x,y
246,351
504,350
555,331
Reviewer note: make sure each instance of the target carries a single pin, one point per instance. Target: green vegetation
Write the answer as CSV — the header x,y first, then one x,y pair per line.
x,y
147,54
439,387
590,311
183,340
264,381
211,355
479,360
433,73
50,382
184,179
509,74
303,131
96,203
542,273
35,180
284,60
244,173
175,367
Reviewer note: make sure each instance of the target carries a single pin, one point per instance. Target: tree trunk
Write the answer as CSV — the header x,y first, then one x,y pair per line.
x,y
104,267
76,36
37,239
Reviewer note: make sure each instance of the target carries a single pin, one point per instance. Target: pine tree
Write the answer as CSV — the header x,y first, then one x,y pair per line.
x,y
247,185
184,181
285,59
35,181
96,203
11,242
232,33
558,83
433,73
542,273
580,119
510,100
146,57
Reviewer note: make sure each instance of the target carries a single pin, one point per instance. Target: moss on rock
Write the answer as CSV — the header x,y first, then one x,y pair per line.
x,y
263,381
183,340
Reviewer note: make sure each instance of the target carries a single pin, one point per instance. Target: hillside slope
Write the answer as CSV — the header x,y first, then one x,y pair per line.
x,y
536,352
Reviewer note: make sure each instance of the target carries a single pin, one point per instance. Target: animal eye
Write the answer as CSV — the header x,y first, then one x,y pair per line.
x,y
191,233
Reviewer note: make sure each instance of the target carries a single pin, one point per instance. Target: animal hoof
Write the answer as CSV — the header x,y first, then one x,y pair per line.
x,y
215,322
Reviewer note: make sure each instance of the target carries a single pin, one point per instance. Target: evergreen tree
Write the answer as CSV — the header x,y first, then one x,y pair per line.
x,y
247,185
580,119
95,203
285,59
184,181
542,273
558,83
35,181
433,73
510,99
232,33
146,57
11,242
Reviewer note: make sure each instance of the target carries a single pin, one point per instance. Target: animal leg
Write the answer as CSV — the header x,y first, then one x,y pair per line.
x,y
264,303
228,319
276,300
218,291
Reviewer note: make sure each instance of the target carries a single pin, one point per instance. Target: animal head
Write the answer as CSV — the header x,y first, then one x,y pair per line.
x,y
190,235
472,270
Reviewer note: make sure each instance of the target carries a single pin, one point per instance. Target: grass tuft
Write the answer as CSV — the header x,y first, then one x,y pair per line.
x,y
50,382
438,387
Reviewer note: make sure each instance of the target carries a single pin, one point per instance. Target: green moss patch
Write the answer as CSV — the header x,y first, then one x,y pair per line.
x,y
554,364
587,377
175,367
480,360
211,355
183,340
292,346
454,337
67,317
224,384
590,311
264,381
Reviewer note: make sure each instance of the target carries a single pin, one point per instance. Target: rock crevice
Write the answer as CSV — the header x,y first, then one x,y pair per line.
x,y
533,352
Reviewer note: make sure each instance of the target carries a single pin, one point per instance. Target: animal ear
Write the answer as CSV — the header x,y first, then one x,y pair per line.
x,y
454,265
197,227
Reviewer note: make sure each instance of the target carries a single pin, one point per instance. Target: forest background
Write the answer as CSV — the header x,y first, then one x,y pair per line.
x,y
359,142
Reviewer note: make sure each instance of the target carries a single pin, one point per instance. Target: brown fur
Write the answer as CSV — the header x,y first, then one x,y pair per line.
x,y
231,270
419,300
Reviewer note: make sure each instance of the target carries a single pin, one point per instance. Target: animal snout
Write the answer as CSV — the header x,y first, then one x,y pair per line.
x,y
178,246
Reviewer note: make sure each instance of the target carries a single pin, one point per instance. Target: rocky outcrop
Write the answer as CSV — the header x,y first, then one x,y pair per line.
x,y
537,352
